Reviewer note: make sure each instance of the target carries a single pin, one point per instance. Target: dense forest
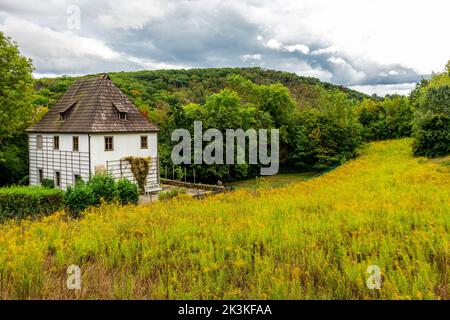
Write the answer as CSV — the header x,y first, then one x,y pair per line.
x,y
321,125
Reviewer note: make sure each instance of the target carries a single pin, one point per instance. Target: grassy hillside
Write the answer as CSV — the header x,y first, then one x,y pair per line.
x,y
313,239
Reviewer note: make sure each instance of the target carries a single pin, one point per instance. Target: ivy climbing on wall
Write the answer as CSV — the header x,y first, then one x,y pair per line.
x,y
139,168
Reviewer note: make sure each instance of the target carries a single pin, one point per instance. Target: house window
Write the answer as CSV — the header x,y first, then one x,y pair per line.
x,y
123,116
144,142
62,116
40,175
56,142
76,178
75,146
57,179
109,144
39,141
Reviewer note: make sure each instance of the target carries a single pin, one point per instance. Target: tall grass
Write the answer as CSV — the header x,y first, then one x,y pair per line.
x,y
311,240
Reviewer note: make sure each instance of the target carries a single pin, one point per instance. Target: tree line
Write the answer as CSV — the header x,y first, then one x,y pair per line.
x,y
320,124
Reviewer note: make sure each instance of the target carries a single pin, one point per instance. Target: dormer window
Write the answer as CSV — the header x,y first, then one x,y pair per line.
x,y
122,110
123,115
66,110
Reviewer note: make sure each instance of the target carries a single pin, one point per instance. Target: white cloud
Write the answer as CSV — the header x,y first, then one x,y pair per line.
x,y
37,40
407,32
246,57
324,75
126,14
330,49
277,45
384,89
304,69
30,7
337,60
151,64
274,44
346,71
298,47
383,42
394,72
68,53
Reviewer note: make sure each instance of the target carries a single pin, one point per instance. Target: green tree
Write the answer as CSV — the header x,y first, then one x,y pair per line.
x,y
275,99
385,119
326,135
16,110
432,124
16,89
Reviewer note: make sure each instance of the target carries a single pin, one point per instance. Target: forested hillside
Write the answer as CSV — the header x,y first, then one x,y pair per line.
x,y
170,87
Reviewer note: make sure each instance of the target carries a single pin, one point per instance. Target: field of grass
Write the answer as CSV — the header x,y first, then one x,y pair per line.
x,y
274,181
310,240
444,161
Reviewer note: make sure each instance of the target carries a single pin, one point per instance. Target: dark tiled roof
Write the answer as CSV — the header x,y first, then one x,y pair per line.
x,y
92,105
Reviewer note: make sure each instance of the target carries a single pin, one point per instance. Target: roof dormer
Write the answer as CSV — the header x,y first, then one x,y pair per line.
x,y
122,110
65,111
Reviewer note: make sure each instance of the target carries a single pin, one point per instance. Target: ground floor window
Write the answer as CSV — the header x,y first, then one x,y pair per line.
x,y
57,179
39,141
56,142
40,175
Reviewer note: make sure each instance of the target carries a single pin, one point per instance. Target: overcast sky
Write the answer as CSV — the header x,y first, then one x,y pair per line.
x,y
382,46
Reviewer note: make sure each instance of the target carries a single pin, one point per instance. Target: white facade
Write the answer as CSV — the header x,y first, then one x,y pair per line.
x,y
63,164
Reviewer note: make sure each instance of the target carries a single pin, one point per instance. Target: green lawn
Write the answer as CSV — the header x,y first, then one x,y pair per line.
x,y
274,181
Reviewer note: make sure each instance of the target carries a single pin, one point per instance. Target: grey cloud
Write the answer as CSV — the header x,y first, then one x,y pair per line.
x,y
191,34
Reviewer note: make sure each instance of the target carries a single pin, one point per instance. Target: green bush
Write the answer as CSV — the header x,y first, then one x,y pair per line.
x,y
48,183
103,187
83,195
172,193
25,181
79,198
432,124
127,192
20,202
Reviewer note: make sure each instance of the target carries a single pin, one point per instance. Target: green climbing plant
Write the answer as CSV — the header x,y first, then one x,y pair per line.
x,y
139,168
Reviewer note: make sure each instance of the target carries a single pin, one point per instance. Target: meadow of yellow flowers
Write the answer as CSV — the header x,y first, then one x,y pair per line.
x,y
310,240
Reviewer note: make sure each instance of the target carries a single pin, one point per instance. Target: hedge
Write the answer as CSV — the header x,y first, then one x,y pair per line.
x,y
23,201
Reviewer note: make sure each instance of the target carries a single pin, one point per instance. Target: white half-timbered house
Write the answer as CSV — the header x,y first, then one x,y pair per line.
x,y
91,129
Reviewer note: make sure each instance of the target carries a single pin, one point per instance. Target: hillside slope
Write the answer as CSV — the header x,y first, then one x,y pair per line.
x,y
314,239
